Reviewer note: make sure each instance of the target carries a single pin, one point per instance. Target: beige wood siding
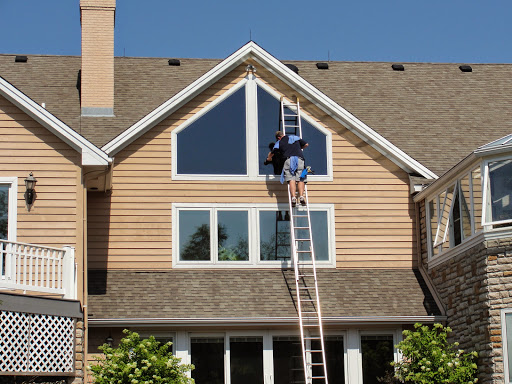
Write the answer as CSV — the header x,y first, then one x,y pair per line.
x,y
26,147
131,227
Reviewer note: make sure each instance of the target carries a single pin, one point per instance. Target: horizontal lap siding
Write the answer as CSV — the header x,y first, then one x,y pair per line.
x,y
27,147
374,222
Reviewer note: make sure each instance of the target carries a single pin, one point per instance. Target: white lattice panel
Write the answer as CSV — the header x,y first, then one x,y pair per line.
x,y
36,343
14,338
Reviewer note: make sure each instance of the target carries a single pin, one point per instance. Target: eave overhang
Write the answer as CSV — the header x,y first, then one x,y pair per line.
x,y
258,321
252,51
91,155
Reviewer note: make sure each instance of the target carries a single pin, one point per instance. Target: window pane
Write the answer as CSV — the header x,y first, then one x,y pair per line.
x,y
432,206
477,198
233,235
208,358
500,177
465,206
268,124
4,211
508,325
377,353
274,235
334,354
215,143
246,360
288,365
194,235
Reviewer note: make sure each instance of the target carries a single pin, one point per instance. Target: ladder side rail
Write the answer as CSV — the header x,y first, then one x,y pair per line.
x,y
283,119
299,118
296,270
313,262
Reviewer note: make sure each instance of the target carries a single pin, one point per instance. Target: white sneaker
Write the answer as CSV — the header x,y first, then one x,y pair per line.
x,y
294,201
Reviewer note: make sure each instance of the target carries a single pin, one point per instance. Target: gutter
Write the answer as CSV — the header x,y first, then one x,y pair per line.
x,y
258,321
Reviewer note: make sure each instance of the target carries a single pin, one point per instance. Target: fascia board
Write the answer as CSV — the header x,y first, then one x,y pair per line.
x,y
251,49
177,101
91,155
448,178
339,113
254,321
481,152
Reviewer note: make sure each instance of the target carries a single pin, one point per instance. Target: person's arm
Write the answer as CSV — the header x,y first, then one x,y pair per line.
x,y
269,158
303,144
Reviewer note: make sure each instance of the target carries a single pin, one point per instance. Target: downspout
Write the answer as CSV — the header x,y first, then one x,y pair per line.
x,y
421,268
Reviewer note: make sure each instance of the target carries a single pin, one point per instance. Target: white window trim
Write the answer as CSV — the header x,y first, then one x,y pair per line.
x,y
466,241
253,221
486,193
251,83
504,332
12,182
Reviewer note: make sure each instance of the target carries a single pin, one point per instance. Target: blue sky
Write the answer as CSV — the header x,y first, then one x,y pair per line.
x,y
469,31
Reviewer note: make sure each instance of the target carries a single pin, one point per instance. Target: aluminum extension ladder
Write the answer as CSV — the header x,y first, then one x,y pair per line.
x,y
306,285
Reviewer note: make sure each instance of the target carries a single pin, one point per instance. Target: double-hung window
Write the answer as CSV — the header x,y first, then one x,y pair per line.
x,y
8,206
237,235
229,139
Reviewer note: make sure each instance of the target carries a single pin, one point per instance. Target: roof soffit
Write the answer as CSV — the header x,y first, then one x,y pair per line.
x,y
91,155
253,51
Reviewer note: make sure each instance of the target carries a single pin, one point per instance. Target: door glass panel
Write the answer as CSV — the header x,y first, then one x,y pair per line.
x,y
500,178
508,326
215,144
377,354
233,235
194,235
207,355
334,355
246,360
268,124
288,365
4,211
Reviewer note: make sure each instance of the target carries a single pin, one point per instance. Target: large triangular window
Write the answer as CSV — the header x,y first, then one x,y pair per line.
x,y
230,138
215,143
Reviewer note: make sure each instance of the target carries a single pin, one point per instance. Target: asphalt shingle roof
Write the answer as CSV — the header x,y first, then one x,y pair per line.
x,y
254,293
433,112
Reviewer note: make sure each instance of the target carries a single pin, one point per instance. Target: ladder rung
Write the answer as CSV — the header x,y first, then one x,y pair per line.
x,y
306,275
315,364
300,228
314,350
312,338
303,239
318,377
299,215
307,288
304,251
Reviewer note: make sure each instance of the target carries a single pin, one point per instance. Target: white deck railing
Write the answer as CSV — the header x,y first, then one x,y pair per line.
x,y
31,267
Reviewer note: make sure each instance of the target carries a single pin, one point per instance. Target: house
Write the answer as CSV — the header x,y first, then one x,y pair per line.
x,y
150,179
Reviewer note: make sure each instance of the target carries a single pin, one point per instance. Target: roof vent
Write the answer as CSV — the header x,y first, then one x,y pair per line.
x,y
465,68
20,59
174,62
322,65
293,68
398,67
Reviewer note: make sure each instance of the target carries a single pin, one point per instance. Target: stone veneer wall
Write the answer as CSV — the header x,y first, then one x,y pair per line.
x,y
474,286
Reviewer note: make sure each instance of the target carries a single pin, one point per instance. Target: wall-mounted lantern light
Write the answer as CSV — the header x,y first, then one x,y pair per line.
x,y
109,340
30,183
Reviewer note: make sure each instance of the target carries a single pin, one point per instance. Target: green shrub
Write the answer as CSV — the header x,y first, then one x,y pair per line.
x,y
428,358
138,361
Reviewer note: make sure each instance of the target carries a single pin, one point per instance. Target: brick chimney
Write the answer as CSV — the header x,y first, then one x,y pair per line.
x,y
97,76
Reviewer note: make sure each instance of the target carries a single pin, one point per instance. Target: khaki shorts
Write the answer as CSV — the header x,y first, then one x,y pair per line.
x,y
287,174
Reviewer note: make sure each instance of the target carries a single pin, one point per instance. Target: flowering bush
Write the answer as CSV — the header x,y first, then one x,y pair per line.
x,y
429,358
138,361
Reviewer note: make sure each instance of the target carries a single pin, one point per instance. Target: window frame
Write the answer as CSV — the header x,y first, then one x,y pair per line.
x,y
251,98
253,236
486,194
12,183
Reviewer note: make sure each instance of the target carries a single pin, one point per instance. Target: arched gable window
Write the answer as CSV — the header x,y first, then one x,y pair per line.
x,y
230,138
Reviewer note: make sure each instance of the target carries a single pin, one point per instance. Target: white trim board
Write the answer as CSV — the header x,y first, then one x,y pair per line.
x,y
253,51
91,155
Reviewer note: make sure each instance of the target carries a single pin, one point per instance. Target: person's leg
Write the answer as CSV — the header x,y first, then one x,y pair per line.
x,y
301,188
292,188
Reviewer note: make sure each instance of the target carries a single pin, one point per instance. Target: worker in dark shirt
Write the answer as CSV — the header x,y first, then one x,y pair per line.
x,y
275,158
290,147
